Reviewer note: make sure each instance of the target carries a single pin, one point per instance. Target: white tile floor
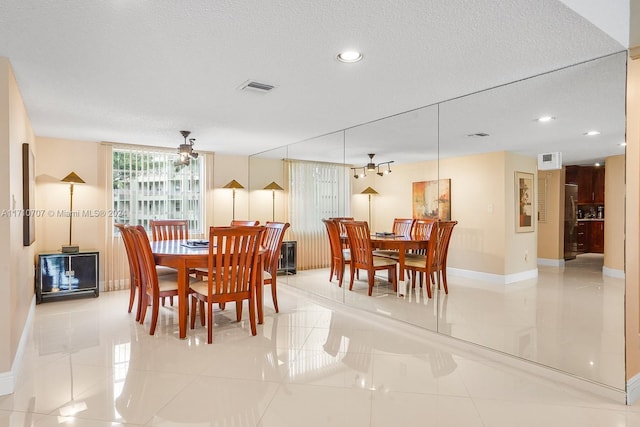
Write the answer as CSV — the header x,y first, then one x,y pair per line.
x,y
88,363
570,318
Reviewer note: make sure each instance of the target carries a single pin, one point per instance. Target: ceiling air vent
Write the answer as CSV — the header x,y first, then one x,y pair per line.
x,y
254,86
478,135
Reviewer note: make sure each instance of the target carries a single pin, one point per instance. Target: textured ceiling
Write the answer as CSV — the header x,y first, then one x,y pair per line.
x,y
139,71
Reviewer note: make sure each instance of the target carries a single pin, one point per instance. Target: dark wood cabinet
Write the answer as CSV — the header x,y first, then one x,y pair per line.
x,y
590,181
598,185
596,237
584,232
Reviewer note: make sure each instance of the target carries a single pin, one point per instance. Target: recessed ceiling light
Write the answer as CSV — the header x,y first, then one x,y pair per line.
x,y
349,56
597,164
544,119
592,133
623,144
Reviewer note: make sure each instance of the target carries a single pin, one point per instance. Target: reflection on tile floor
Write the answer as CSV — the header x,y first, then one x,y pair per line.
x,y
88,363
571,318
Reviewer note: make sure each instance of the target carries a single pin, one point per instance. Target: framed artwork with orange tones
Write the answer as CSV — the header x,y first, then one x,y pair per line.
x,y
524,202
432,199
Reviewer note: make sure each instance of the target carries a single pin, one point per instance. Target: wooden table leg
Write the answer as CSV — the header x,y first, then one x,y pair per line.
x,y
183,292
401,264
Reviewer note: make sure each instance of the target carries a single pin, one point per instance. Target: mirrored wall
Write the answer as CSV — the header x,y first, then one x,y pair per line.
x,y
488,161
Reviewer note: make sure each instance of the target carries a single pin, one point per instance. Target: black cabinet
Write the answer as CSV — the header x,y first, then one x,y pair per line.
x,y
64,275
287,261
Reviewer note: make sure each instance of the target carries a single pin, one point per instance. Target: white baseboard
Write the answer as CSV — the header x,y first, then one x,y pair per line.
x,y
503,279
633,389
551,262
8,379
612,272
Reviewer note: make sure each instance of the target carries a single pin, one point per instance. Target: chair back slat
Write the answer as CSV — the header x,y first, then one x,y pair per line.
x,y
170,229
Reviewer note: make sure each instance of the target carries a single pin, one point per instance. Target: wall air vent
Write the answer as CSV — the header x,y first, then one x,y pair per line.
x,y
478,135
254,86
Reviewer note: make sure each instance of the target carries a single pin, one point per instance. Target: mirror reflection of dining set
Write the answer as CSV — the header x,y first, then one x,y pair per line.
x,y
231,266
416,246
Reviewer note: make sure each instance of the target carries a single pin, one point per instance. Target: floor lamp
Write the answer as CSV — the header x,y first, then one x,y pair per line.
x,y
369,191
234,185
72,178
273,187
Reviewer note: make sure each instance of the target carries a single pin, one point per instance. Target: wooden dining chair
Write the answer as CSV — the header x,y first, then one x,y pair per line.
x,y
272,243
433,265
232,276
169,229
134,268
362,255
340,256
154,286
421,230
244,222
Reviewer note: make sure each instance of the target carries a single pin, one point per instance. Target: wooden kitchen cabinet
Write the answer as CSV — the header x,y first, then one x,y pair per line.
x,y
598,185
590,181
596,237
584,232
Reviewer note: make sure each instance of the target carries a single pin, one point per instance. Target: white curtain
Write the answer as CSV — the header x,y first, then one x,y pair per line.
x,y
316,191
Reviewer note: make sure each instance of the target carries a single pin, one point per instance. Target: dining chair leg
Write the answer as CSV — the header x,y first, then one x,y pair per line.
x,y
239,310
154,315
371,277
132,295
192,315
274,296
351,272
209,322
252,317
202,316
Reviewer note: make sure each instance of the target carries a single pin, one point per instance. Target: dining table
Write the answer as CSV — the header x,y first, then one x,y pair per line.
x,y
184,256
400,243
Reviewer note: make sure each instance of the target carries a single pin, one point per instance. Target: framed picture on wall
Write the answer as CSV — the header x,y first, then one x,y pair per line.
x,y
28,196
432,199
524,202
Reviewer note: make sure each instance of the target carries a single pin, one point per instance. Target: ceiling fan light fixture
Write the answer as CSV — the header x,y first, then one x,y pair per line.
x,y
372,167
185,150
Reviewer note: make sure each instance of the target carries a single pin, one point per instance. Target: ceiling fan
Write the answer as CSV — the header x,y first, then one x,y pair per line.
x,y
185,150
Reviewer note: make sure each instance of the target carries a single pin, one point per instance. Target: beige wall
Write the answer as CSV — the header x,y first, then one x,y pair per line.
x,y
632,246
263,171
614,194
57,158
551,232
482,201
16,260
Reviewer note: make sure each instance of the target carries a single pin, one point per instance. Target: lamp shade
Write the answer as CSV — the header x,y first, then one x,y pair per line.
x,y
369,190
73,178
233,184
273,186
